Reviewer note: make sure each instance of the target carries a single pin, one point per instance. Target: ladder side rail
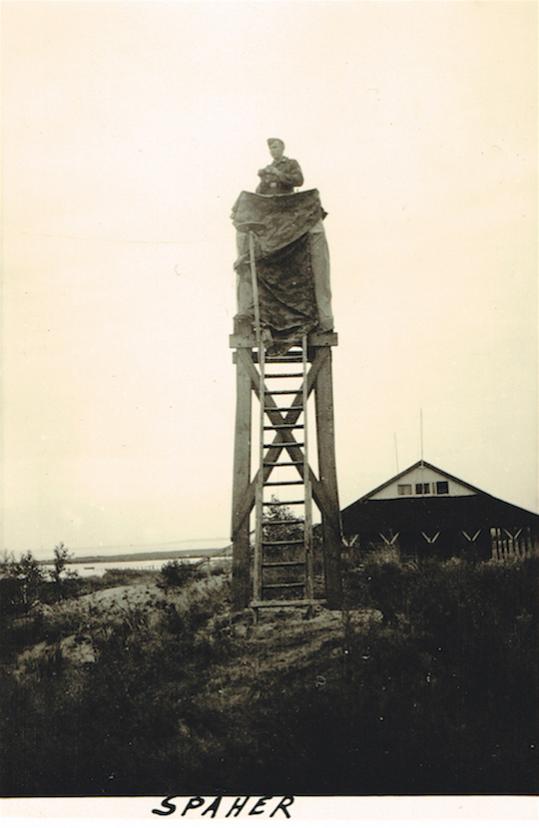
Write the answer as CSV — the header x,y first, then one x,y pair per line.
x,y
259,497
257,563
270,409
319,494
308,517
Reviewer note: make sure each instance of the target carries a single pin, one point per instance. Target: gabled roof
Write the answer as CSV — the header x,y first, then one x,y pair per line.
x,y
436,513
425,465
480,510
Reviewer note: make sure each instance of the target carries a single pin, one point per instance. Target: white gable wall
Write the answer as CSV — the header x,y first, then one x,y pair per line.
x,y
421,475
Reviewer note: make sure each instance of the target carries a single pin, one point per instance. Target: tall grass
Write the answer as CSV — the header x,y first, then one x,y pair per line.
x,y
436,692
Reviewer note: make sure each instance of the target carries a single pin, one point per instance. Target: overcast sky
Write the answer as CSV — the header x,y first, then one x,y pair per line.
x,y
128,131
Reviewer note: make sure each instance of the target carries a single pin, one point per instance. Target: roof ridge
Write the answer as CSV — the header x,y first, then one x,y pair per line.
x,y
418,464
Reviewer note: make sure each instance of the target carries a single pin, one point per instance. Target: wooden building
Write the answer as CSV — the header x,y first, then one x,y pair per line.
x,y
424,510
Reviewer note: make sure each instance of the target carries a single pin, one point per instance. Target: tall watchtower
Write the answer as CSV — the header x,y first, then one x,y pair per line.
x,y
283,358
283,444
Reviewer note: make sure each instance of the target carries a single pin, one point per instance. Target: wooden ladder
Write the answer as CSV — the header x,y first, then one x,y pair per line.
x,y
283,567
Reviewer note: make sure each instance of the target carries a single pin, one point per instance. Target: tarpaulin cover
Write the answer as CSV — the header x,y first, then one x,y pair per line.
x,y
283,256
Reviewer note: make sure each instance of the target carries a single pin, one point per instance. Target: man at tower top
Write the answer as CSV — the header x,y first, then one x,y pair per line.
x,y
290,247
282,175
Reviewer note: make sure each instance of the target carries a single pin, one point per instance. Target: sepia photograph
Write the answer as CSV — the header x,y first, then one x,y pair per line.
x,y
269,402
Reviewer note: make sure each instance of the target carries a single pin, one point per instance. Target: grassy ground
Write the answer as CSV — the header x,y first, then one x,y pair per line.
x,y
141,689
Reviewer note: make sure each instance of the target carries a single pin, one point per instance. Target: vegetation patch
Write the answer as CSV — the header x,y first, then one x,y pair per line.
x,y
426,682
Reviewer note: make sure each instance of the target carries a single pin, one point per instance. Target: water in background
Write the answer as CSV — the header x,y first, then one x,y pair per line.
x,y
98,569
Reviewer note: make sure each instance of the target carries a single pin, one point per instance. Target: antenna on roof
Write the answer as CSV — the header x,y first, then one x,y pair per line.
x,y
421,451
421,435
396,451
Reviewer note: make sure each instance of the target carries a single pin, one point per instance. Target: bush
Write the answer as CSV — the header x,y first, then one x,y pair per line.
x,y
59,572
18,633
130,720
434,595
440,699
10,596
178,574
26,578
124,577
444,699
25,583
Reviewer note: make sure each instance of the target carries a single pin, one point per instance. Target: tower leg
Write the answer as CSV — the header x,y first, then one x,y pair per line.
x,y
324,489
331,520
241,587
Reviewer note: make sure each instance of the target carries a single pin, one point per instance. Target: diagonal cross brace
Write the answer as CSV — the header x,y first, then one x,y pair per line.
x,y
273,453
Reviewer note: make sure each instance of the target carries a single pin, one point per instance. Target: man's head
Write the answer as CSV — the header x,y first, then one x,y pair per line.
x,y
276,148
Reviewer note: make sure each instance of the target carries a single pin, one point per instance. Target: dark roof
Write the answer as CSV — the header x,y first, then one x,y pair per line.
x,y
435,512
474,511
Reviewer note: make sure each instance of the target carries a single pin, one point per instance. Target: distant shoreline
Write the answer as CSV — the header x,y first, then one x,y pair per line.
x,y
144,556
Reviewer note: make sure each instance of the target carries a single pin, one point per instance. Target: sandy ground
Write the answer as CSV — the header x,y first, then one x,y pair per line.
x,y
112,600
278,641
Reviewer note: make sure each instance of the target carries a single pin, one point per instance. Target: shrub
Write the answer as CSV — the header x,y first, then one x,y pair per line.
x,y
27,578
179,573
441,700
123,577
59,572
138,697
221,567
10,596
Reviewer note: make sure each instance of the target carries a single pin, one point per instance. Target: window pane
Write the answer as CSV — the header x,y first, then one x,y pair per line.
x,y
442,487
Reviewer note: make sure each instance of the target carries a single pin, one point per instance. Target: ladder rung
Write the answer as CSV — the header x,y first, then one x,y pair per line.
x,y
295,375
290,603
296,354
298,542
283,563
286,522
281,427
281,359
284,445
298,482
285,463
283,503
282,391
283,408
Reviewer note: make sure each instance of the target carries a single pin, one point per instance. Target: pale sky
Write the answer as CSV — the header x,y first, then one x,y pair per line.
x,y
128,131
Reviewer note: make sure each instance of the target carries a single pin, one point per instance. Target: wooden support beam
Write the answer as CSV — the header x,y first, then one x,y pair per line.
x,y
241,581
247,500
331,517
324,490
248,340
320,495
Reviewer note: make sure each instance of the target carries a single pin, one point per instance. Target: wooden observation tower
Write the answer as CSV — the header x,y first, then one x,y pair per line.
x,y
276,567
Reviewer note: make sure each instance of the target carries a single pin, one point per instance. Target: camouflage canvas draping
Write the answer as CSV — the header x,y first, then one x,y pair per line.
x,y
283,257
